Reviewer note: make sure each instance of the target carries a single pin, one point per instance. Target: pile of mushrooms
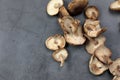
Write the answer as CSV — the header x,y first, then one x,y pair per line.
x,y
75,34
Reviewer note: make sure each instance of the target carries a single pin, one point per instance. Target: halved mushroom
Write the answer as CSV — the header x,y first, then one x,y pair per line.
x,y
53,7
115,67
72,30
92,28
60,56
115,5
116,78
77,6
55,42
96,67
103,54
94,43
92,12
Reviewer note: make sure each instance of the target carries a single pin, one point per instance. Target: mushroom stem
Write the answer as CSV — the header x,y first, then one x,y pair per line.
x,y
62,61
63,12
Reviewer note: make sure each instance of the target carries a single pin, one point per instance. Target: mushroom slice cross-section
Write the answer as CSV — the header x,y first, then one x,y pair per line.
x,y
55,42
60,56
115,67
53,7
96,67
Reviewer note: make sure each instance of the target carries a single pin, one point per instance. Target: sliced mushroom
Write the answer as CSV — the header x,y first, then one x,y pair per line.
x,y
115,5
92,28
55,42
103,54
53,7
93,44
92,12
116,78
115,67
72,30
96,67
60,56
77,6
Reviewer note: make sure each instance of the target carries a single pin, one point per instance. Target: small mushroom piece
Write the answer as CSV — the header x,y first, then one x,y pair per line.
x,y
60,56
77,6
115,6
92,12
103,54
96,67
93,44
53,7
92,28
116,78
72,30
115,67
55,42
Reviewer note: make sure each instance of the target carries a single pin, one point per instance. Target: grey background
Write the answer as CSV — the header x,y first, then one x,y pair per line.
x,y
24,27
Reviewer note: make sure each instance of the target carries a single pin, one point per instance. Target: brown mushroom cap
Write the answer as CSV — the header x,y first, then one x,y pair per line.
x,y
116,78
96,67
55,42
92,28
93,44
115,5
72,30
53,7
92,12
103,54
60,56
115,67
77,6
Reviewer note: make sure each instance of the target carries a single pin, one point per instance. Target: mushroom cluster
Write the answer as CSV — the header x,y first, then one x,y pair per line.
x,y
75,34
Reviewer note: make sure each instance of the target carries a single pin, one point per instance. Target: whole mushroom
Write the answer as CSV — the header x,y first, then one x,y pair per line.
x,y
72,30
103,54
114,68
55,42
92,28
96,67
54,6
115,6
92,12
94,43
60,56
76,7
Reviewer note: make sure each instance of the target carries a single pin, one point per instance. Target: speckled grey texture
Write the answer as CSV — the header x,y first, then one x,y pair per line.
x,y
24,27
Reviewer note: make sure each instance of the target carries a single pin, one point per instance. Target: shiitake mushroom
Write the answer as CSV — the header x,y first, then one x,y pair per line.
x,y
92,28
60,55
114,68
92,12
97,67
72,30
55,42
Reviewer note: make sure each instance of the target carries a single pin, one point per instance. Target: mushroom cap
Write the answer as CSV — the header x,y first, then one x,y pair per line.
x,y
116,78
115,67
103,54
55,42
92,27
58,53
72,30
76,7
96,67
53,7
92,12
93,45
115,5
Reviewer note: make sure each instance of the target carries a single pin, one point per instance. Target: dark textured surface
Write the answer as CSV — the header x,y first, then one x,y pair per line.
x,y
24,26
